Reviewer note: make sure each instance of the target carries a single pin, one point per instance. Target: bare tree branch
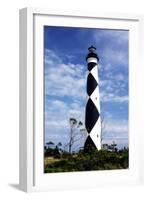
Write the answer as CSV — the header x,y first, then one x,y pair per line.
x,y
75,133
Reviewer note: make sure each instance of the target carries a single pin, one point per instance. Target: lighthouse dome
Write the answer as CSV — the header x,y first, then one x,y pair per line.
x,y
92,53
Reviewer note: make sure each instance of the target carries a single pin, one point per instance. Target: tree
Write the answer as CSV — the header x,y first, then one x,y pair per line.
x,y
75,133
113,146
50,144
59,145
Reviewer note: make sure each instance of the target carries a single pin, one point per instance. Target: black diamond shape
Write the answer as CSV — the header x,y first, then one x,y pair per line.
x,y
91,84
91,115
91,65
89,144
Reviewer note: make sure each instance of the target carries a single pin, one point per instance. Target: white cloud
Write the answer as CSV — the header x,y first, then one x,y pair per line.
x,y
120,37
115,57
117,126
114,51
117,131
120,77
51,58
69,81
111,97
114,88
64,79
57,117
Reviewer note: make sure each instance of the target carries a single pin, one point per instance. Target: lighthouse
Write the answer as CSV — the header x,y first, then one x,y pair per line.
x,y
92,113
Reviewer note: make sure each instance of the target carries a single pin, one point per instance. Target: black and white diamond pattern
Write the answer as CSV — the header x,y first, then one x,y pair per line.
x,y
91,84
92,115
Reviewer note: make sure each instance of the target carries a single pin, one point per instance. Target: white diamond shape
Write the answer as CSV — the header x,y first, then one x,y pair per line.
x,y
95,97
95,134
94,72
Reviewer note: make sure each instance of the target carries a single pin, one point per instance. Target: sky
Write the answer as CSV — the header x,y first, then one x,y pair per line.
x,y
65,73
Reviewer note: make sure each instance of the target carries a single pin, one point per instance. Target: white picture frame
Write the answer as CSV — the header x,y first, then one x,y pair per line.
x,y
31,175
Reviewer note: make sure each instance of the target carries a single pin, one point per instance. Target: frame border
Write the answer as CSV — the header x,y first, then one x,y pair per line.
x,y
26,84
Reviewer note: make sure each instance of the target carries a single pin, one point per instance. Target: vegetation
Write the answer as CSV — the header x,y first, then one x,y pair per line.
x,y
75,134
64,159
81,161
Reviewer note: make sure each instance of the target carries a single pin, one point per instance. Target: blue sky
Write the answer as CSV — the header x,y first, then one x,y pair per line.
x,y
65,73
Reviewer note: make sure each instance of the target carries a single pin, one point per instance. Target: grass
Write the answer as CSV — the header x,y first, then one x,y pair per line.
x,y
97,160
50,160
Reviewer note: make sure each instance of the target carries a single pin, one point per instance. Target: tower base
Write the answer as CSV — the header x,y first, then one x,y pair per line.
x,y
89,145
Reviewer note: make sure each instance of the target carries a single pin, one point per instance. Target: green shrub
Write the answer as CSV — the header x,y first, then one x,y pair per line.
x,y
95,160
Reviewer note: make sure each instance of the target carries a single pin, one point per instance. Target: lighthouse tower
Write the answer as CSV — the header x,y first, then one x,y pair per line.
x,y
92,115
